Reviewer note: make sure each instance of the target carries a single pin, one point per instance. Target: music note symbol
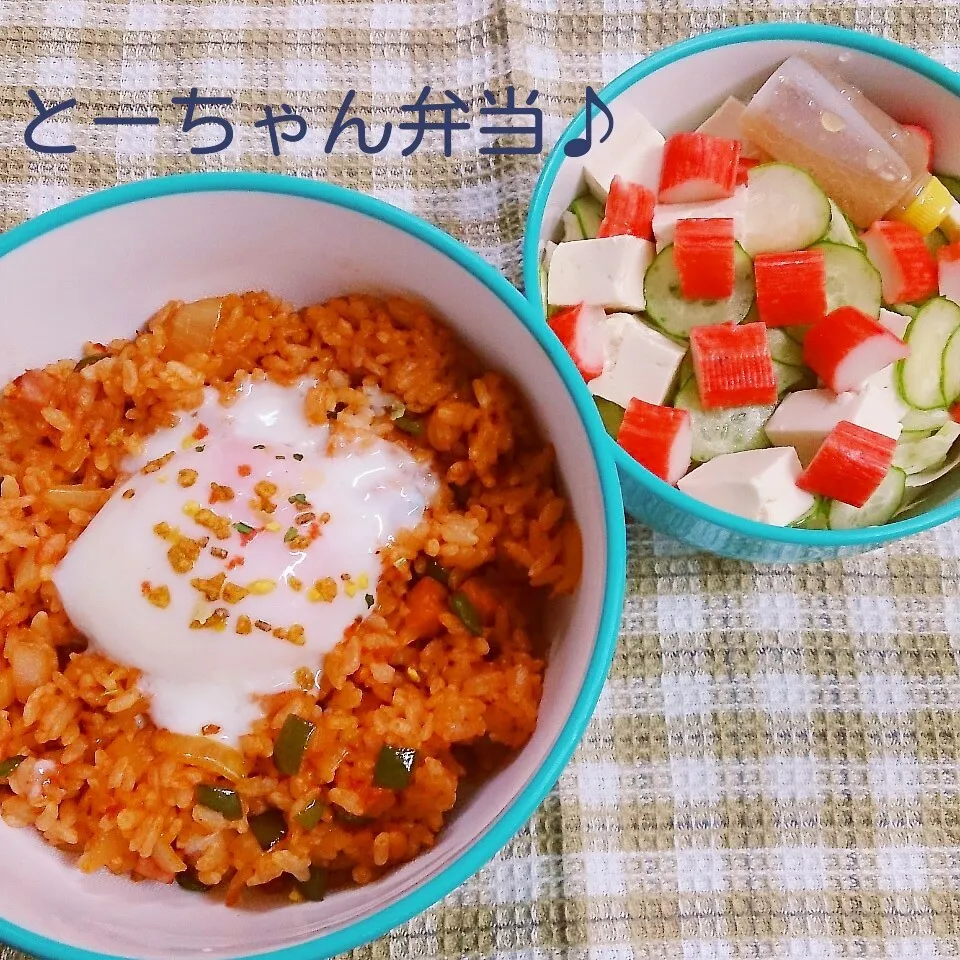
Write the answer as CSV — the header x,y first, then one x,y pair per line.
x,y
579,146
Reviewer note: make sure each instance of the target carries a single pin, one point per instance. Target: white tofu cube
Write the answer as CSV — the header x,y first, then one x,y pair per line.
x,y
666,215
895,322
949,273
757,484
951,223
639,362
725,122
803,419
608,272
634,151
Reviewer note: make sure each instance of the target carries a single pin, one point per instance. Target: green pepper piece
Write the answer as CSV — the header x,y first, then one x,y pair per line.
x,y
611,414
433,569
291,744
311,814
223,800
460,604
268,827
189,880
242,527
9,765
89,361
315,887
345,816
409,425
394,766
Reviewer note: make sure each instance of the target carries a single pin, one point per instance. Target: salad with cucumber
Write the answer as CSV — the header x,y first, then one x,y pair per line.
x,y
767,309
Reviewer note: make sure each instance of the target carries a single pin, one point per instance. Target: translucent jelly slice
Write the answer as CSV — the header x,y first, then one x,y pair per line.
x,y
808,116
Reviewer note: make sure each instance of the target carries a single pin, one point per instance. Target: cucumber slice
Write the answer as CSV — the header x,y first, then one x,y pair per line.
x,y
930,420
677,316
950,369
919,455
790,377
783,349
842,230
905,309
852,280
543,286
815,518
571,227
798,333
879,509
935,240
684,371
786,210
611,414
927,337
926,477
589,211
723,431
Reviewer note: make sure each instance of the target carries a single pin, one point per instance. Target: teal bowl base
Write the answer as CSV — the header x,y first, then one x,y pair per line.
x,y
644,504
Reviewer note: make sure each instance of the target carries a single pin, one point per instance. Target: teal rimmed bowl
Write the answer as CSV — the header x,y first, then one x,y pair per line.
x,y
95,269
676,89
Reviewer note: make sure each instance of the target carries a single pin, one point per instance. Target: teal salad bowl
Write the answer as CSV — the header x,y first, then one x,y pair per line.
x,y
676,89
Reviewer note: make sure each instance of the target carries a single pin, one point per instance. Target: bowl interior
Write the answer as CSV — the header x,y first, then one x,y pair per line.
x,y
116,266
677,89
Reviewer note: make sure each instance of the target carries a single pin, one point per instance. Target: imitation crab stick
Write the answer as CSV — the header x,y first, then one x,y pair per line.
x,y
659,438
581,330
791,287
698,167
703,251
733,365
629,210
908,272
850,464
847,346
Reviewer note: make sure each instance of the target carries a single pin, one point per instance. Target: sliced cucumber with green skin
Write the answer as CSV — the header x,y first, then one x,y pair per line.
x,y
571,227
912,436
919,375
790,377
786,210
929,420
919,455
935,240
589,211
677,316
797,333
815,518
950,370
879,509
611,414
905,309
684,371
723,431
928,476
783,348
841,230
852,280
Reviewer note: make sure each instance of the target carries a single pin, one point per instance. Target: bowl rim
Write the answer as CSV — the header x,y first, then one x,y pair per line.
x,y
522,807
813,33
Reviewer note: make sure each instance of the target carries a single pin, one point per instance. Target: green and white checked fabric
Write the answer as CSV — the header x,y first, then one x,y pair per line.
x,y
774,767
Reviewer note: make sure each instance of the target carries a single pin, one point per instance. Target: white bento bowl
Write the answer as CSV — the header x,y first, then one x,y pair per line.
x,y
676,89
96,269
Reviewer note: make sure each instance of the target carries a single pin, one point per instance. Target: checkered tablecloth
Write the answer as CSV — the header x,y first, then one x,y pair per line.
x,y
773,767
